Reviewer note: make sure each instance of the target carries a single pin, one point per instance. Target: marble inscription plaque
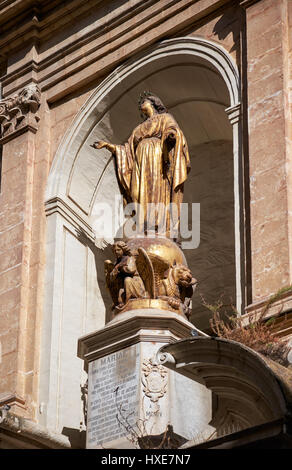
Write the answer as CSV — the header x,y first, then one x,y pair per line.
x,y
112,390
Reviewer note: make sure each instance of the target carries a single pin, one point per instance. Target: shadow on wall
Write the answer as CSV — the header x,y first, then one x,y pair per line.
x,y
230,23
213,262
91,16
100,255
76,437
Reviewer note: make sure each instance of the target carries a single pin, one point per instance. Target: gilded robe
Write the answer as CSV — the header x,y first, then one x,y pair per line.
x,y
152,168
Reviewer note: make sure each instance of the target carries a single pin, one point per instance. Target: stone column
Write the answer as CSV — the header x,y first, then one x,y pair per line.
x,y
133,401
234,115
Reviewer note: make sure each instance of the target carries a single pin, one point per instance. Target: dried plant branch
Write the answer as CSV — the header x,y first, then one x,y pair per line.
x,y
252,331
138,435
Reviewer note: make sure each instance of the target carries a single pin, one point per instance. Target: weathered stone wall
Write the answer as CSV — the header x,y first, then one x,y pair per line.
x,y
267,60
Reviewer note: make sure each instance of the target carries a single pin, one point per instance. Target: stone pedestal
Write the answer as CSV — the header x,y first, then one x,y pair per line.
x,y
133,400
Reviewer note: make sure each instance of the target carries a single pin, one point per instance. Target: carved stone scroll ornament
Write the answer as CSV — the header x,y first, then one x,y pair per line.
x,y
19,112
154,380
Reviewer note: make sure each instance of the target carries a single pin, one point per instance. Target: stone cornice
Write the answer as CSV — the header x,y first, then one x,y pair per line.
x,y
248,3
108,41
34,434
76,46
43,23
276,306
10,9
58,205
128,328
12,399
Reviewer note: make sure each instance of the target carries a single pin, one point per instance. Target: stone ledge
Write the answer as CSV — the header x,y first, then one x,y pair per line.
x,y
34,435
280,308
66,210
17,133
84,53
248,3
128,328
11,400
272,430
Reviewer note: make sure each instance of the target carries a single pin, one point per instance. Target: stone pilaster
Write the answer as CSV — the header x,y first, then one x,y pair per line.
x,y
19,123
266,44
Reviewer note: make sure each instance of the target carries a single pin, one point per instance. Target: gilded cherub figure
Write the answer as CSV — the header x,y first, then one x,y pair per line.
x,y
123,277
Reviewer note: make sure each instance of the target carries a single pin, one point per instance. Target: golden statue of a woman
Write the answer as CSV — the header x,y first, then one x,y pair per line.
x,y
151,169
153,164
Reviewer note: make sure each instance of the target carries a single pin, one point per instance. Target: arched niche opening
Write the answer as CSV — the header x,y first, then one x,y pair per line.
x,y
197,81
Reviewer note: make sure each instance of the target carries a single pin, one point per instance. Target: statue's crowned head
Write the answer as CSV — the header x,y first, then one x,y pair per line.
x,y
154,100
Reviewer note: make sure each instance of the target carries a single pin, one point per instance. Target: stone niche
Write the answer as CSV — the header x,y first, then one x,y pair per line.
x,y
189,75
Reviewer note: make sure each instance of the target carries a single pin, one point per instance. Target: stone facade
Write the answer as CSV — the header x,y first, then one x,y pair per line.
x,y
66,68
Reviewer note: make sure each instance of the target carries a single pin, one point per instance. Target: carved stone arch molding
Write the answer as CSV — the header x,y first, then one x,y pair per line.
x,y
199,83
248,389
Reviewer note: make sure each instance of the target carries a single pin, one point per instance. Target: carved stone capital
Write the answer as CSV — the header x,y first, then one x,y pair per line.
x,y
18,113
234,113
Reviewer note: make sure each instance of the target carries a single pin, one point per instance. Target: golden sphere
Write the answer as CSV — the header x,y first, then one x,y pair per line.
x,y
162,251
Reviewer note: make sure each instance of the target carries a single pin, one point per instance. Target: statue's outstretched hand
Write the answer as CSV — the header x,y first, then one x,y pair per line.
x,y
99,144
